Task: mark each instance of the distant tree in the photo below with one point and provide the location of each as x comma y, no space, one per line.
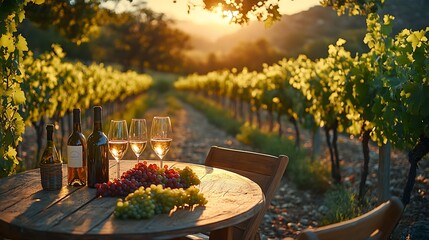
317,49
140,40
76,20
251,55
212,62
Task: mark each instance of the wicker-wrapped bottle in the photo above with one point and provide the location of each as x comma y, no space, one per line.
51,164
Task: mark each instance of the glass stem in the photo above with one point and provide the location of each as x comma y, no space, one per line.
161,162
117,168
137,159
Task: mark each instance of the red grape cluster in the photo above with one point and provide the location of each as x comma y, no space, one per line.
144,175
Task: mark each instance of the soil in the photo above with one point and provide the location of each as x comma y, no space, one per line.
293,210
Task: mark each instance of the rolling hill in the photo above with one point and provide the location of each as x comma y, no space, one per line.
310,31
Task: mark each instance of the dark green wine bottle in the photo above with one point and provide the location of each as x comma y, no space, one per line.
98,149
50,163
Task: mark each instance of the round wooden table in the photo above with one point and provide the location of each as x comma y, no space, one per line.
28,212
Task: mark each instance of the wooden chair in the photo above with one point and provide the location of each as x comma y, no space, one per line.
265,170
376,224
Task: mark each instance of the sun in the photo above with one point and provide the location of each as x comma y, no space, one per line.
227,16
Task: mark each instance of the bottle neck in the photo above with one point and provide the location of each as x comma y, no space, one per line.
50,155
98,127
97,119
77,127
49,134
50,143
76,120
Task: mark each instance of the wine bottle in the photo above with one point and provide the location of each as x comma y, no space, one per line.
76,153
98,149
50,163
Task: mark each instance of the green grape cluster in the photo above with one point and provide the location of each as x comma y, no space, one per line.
188,177
146,202
137,205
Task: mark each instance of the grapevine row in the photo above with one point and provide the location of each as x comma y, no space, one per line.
32,89
12,48
52,87
380,94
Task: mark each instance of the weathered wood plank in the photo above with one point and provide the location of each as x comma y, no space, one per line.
9,184
21,216
59,210
31,185
88,216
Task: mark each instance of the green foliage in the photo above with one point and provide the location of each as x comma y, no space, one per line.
55,87
268,11
303,172
75,20
12,48
51,88
400,67
411,62
241,11
382,91
269,143
162,83
306,174
215,114
341,205
354,7
142,40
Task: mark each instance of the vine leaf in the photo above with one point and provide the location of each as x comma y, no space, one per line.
18,96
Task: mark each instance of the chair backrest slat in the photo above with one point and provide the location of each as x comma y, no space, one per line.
265,170
375,224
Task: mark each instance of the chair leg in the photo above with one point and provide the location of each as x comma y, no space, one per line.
222,234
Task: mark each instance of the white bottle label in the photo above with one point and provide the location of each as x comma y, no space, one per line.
74,155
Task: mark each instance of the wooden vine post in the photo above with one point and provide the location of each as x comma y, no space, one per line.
383,184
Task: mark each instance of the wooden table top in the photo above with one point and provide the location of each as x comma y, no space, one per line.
28,212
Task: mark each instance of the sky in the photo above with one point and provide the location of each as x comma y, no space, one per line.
179,9
200,17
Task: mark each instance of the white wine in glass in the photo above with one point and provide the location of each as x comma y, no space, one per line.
161,136
138,136
118,141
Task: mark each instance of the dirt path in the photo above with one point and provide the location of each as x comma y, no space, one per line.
285,217
192,133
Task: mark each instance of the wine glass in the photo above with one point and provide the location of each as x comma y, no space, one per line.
161,136
138,136
118,140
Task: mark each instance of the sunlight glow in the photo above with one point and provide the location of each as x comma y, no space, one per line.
217,23
230,15
179,10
